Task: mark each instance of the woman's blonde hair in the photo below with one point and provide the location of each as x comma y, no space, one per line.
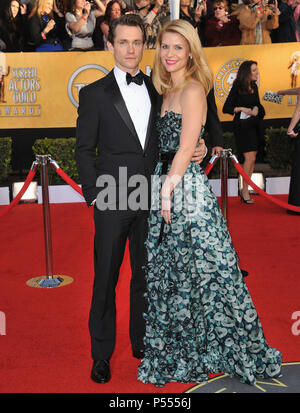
39,7
197,66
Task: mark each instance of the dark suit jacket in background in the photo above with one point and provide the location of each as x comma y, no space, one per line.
213,125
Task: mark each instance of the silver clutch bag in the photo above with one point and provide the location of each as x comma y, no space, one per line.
272,97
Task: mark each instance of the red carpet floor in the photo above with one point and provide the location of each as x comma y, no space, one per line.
46,347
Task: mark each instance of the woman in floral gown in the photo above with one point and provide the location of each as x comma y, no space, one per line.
200,316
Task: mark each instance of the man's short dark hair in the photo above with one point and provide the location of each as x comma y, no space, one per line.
126,20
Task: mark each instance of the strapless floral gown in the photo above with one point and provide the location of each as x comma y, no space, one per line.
200,317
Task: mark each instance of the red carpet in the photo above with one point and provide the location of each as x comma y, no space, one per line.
46,347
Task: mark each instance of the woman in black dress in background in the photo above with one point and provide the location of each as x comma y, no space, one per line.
243,102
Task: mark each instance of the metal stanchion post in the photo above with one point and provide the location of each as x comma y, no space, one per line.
50,280
224,168
224,181
46,216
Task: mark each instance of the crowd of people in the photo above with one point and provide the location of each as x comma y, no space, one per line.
56,25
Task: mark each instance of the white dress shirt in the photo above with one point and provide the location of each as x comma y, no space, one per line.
137,101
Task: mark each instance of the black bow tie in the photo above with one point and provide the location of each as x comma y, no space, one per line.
138,79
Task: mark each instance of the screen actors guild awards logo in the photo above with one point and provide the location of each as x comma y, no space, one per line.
19,87
81,77
225,77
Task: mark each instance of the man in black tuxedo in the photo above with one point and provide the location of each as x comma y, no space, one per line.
116,117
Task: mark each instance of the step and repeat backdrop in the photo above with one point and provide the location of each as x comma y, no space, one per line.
40,90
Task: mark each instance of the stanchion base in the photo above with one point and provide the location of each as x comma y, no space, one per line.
45,282
50,282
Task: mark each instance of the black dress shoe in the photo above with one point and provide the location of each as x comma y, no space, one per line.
100,371
138,354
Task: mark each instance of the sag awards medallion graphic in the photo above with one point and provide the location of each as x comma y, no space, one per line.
225,77
19,87
81,77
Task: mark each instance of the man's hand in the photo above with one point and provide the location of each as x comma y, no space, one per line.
200,152
216,149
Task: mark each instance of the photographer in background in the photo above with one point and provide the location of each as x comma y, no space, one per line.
257,19
155,15
113,11
286,32
81,23
195,16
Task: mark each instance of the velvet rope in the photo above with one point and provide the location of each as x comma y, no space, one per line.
68,180
208,168
26,184
271,198
211,164
73,184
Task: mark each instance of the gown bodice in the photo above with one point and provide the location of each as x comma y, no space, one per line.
169,130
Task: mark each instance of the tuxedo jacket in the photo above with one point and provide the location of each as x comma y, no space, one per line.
104,124
213,125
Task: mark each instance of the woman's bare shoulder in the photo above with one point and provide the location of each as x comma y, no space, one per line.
192,91
193,85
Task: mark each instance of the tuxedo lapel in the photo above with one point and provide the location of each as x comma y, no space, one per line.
152,94
113,90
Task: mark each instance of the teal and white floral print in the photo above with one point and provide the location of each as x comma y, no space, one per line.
200,318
